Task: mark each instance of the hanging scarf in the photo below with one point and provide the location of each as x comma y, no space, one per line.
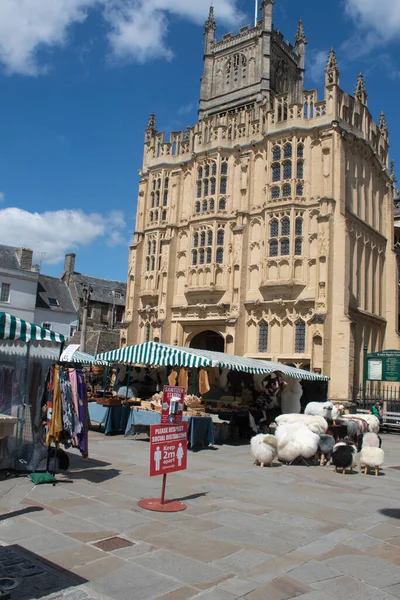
183,379
204,385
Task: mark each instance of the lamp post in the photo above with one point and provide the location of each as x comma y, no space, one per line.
87,294
114,295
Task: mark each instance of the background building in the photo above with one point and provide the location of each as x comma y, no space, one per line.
266,229
55,308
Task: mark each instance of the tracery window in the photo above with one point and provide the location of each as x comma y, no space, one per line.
151,253
222,204
283,233
284,169
208,246
300,337
211,182
263,337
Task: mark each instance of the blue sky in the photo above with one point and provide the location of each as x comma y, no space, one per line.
80,77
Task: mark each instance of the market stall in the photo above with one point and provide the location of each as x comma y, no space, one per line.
230,389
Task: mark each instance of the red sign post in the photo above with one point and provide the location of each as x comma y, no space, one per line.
168,453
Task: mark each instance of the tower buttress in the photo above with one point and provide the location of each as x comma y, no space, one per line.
300,43
209,34
361,91
266,8
209,31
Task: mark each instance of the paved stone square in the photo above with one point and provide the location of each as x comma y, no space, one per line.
251,533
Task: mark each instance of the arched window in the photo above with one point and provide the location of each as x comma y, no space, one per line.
285,226
213,186
152,200
273,248
154,246
157,198
209,255
275,192
298,247
274,228
223,185
220,256
222,204
287,169
151,216
276,153
158,184
203,238
299,189
214,169
300,337
220,237
156,215
165,201
199,188
205,187
200,173
147,263
149,247
286,190
153,263
224,167
196,240
299,226
300,150
198,207
194,257
212,204
205,206
263,337
276,172
154,184
166,183
147,332
201,252
207,171
300,170
287,150
209,238
164,215
285,247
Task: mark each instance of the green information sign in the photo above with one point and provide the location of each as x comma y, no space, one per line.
382,366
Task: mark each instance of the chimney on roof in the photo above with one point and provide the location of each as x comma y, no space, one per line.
69,263
25,256
36,268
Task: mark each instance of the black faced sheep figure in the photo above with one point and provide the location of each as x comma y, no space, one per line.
344,456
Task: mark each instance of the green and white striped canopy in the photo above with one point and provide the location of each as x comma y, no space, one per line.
155,355
13,328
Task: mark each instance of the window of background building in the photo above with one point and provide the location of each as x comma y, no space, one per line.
263,337
5,292
285,166
104,314
119,314
209,183
300,337
281,234
46,325
205,243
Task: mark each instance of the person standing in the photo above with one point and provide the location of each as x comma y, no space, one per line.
377,411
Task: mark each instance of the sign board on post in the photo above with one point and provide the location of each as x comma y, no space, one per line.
172,405
168,448
68,353
383,366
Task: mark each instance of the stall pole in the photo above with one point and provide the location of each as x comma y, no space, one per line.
105,380
194,373
21,410
164,483
127,385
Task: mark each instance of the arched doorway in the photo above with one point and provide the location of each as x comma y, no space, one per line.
208,340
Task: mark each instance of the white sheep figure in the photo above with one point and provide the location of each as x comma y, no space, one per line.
264,449
315,423
322,409
371,456
290,397
296,440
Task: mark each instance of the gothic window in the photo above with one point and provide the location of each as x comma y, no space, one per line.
224,167
276,172
205,187
274,228
300,150
164,215
212,204
273,248
298,247
147,263
205,205
214,169
154,184
213,186
154,246
198,207
210,238
287,150
207,171
285,226
220,256
287,190
299,226
165,200
287,169
275,192
263,337
157,198
299,189
166,183
220,237
209,255
152,200
194,257
203,238
276,153
151,216
153,262
222,189
285,247
222,204
156,215
300,170
147,331
300,337
200,173
202,256
199,188
158,184
149,247
196,240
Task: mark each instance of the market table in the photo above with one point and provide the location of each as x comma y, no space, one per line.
200,431
114,418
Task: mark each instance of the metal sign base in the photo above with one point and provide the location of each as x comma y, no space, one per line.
160,504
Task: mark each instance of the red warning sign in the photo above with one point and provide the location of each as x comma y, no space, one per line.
172,405
168,448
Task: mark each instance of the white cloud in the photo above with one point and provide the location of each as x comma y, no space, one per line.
60,231
376,23
316,64
137,30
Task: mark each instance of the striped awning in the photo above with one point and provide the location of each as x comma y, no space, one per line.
154,354
86,359
13,328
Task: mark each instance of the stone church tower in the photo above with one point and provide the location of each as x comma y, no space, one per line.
266,229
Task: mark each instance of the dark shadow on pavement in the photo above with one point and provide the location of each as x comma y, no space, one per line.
94,475
23,511
392,513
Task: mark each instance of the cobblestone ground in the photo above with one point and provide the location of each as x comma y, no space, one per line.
248,533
